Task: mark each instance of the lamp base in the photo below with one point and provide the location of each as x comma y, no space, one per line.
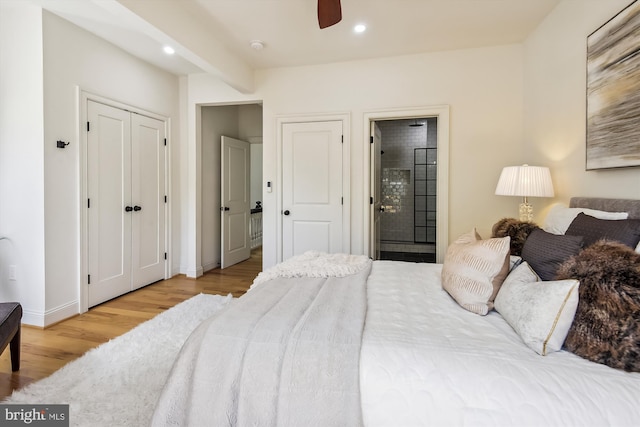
526,212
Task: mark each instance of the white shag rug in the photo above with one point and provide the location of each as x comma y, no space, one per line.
118,382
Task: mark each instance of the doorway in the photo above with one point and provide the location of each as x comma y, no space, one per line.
408,203
243,122
408,189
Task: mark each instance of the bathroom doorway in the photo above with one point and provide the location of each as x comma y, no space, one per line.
408,189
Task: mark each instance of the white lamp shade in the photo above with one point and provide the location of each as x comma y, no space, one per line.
525,181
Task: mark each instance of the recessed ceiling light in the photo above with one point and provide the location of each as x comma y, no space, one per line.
360,28
169,50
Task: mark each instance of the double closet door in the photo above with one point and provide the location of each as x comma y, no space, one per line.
126,201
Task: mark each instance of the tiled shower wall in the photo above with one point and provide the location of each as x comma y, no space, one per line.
399,140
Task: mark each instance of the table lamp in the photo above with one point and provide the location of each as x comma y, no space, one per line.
525,181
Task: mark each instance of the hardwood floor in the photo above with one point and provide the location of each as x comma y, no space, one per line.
46,350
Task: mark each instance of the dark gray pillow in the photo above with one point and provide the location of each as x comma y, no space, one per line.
545,252
626,231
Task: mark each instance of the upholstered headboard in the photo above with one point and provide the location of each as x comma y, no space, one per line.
609,205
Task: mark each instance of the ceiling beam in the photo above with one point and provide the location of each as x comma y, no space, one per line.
194,41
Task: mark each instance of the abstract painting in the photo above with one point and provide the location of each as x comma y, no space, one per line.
613,92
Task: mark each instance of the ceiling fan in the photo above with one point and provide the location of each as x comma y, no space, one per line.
329,13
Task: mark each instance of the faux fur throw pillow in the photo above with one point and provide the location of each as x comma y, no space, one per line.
606,327
516,229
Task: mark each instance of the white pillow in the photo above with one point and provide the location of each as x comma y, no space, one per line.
560,217
540,312
515,261
474,269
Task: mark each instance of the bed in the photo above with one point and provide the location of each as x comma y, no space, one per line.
338,340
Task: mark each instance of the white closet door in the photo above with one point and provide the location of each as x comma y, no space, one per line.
126,205
311,187
147,198
109,192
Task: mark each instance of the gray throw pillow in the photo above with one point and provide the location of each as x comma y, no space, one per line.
626,231
545,252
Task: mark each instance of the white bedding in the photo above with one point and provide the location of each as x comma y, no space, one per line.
425,361
285,354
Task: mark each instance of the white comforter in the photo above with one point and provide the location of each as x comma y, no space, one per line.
427,362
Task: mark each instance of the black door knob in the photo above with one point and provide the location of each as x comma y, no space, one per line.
286,212
128,209
137,208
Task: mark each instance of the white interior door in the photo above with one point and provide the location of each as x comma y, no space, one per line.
109,192
148,199
376,188
126,201
236,200
311,187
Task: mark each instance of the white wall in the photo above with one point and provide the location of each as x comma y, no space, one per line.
250,128
555,102
482,86
42,191
75,58
250,122
22,181
509,105
256,174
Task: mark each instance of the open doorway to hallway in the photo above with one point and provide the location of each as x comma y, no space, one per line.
242,122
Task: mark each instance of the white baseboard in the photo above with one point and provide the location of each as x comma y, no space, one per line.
49,317
62,312
192,273
211,265
32,318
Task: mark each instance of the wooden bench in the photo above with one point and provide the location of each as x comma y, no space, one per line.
10,321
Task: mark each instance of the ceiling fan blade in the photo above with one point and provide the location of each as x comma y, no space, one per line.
329,13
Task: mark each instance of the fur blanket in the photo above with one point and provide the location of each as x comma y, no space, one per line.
606,327
516,229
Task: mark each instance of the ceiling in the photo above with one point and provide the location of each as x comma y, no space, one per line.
214,35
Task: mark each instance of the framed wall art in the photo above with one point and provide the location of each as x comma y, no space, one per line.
613,92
